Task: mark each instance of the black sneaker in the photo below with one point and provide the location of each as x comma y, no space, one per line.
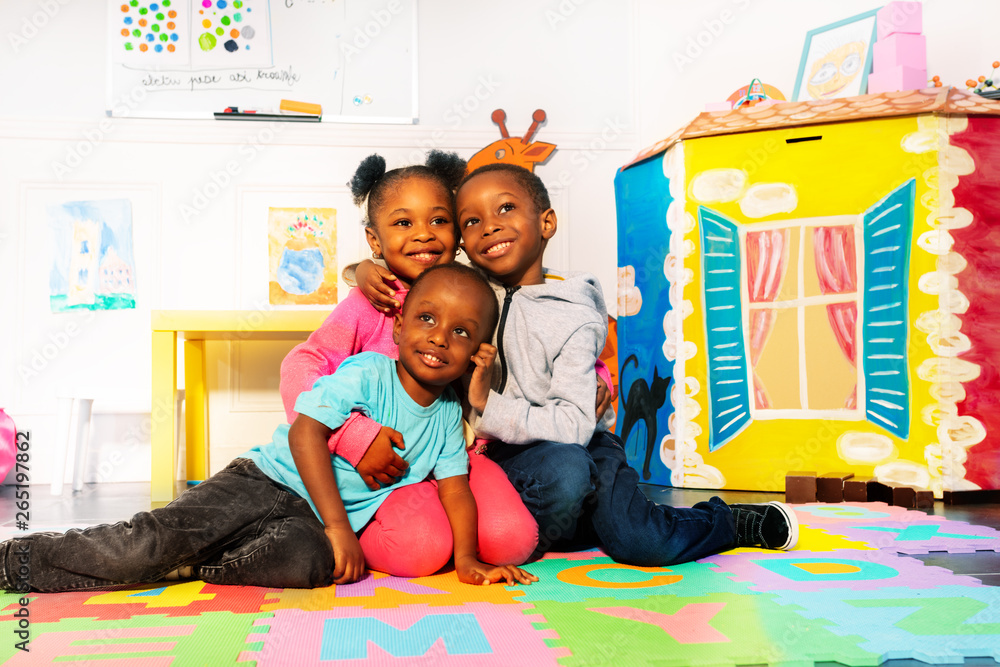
772,525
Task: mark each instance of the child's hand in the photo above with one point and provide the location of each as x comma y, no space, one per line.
482,374
473,572
373,281
604,397
348,559
381,464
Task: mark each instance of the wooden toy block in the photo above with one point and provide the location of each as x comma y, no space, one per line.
903,496
897,78
896,17
924,499
972,497
800,487
901,49
879,492
830,486
856,490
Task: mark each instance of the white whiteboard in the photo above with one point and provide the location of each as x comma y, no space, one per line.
191,58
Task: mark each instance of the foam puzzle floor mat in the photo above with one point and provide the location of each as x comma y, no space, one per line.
851,592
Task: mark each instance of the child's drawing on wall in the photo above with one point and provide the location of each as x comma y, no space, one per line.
93,265
302,253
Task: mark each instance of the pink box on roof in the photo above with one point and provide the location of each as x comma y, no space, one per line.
901,48
900,77
897,17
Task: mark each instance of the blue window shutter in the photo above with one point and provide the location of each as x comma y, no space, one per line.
888,228
728,386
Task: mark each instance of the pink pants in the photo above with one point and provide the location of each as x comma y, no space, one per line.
410,535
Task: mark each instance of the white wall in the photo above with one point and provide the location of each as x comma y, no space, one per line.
611,75
692,53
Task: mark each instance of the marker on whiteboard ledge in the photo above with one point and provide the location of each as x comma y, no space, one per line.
235,113
291,106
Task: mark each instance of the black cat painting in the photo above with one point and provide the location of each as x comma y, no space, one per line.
641,405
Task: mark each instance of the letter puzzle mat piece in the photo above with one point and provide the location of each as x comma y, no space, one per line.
849,593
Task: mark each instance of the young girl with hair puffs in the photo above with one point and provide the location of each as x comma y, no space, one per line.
410,224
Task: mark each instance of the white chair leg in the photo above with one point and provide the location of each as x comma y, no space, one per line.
64,418
83,418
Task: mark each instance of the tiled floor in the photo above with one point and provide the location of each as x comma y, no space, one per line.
99,503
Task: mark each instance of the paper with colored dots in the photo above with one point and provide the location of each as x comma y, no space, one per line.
194,58
152,31
196,33
228,30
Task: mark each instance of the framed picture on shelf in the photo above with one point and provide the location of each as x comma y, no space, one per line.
836,59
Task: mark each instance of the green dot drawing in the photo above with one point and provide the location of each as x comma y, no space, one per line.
237,17
207,41
225,20
163,37
143,10
128,46
238,3
220,32
134,3
137,33
166,3
160,16
155,27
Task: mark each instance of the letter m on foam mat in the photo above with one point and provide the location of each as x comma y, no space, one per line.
727,355
348,638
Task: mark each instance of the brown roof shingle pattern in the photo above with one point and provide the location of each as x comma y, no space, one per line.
944,100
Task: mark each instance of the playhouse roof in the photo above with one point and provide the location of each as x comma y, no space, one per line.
944,100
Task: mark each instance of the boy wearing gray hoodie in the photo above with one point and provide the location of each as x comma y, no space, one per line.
569,469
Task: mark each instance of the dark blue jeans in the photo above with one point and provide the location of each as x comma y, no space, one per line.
590,497
237,527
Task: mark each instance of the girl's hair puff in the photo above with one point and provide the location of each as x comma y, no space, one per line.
371,182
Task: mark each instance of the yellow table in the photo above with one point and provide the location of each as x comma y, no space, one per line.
197,326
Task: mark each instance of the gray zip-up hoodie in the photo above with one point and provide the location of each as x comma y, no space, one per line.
544,382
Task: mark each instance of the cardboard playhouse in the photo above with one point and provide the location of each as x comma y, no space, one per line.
815,286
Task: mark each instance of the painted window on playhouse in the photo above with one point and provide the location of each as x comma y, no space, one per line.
782,304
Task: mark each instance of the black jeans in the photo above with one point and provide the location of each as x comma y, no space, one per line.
590,497
238,527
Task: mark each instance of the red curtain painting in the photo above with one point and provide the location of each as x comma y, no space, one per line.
836,268
767,261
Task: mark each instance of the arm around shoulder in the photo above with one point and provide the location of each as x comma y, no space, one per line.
566,413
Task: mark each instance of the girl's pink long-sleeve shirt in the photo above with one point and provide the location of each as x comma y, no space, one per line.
353,326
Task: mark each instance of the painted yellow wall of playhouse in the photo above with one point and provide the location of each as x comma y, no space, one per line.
852,167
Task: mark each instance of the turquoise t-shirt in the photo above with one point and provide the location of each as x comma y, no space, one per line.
367,382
